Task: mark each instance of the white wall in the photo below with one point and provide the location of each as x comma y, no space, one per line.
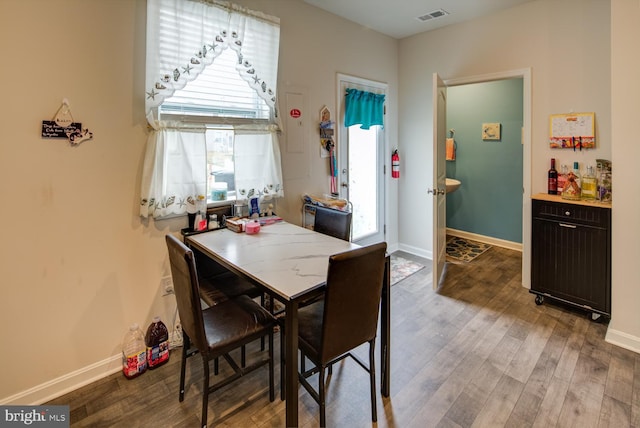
624,328
79,265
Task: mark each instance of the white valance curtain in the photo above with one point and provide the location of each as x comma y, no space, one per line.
183,37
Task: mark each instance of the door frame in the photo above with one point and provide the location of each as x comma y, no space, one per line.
525,75
378,87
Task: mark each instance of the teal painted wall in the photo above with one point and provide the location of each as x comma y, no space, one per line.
489,201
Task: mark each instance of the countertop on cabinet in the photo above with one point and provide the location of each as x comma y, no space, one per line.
558,198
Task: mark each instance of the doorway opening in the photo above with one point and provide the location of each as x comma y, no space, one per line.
525,75
361,166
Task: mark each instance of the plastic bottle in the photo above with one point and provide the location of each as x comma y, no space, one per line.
200,222
134,353
157,343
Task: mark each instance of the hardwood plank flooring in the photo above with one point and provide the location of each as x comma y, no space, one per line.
476,353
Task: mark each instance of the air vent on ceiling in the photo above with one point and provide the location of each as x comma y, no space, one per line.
433,15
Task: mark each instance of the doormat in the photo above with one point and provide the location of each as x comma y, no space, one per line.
465,250
402,268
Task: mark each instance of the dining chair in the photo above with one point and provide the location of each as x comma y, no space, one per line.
218,284
217,330
346,318
333,222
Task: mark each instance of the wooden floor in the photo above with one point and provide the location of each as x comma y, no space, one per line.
478,352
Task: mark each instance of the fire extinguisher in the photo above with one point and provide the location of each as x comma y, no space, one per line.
395,164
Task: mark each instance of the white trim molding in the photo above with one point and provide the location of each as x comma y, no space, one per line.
623,340
54,388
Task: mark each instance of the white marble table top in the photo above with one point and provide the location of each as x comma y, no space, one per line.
287,259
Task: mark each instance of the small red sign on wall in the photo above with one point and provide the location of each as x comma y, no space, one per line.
295,113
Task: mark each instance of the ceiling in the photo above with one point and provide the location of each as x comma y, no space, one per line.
399,18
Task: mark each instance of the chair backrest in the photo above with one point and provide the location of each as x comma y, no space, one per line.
352,299
186,289
332,222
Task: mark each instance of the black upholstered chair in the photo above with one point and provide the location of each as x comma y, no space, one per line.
332,222
217,284
346,318
217,330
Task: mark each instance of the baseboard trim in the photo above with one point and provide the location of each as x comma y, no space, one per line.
485,239
59,386
416,251
623,340
54,388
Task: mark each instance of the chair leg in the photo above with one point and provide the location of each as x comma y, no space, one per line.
272,393
372,375
282,363
243,355
321,394
263,303
205,393
183,364
216,366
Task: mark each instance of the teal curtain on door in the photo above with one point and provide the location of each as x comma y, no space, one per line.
363,108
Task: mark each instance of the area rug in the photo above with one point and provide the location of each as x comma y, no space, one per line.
402,268
465,250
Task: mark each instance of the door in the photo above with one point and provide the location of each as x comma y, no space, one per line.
439,174
439,163
361,166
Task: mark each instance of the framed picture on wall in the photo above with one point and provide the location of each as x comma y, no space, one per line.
491,131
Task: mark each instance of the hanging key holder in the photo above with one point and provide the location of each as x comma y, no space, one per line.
64,126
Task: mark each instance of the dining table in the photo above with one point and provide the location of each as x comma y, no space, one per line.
290,263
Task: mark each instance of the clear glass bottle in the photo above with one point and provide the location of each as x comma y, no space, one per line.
562,178
572,189
589,185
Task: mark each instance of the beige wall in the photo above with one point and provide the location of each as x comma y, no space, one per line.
624,328
79,265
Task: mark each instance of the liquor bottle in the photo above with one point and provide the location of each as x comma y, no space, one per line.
571,189
562,178
589,185
552,181
576,172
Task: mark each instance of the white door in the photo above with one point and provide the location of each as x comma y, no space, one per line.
439,174
361,166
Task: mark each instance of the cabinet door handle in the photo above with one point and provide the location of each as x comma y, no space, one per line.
570,226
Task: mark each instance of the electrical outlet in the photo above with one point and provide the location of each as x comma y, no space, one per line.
176,337
167,285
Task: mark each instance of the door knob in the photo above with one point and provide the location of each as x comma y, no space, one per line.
344,184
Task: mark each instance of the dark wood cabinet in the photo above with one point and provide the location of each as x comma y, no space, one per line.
571,253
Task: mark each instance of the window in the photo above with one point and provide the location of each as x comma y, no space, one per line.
221,183
210,99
